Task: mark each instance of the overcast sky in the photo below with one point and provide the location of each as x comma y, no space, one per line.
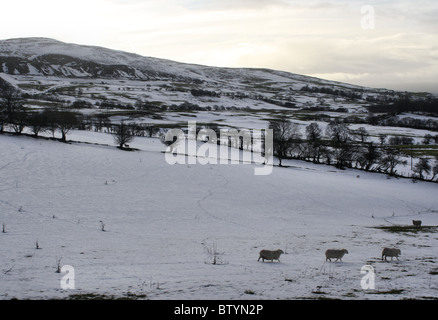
332,39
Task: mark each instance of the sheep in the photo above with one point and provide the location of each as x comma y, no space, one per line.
416,223
270,255
335,254
390,252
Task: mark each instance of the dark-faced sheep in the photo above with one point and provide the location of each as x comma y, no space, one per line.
335,254
416,223
390,252
270,255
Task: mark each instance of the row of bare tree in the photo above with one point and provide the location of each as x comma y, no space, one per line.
343,147
14,115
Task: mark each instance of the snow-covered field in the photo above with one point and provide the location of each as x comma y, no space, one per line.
164,222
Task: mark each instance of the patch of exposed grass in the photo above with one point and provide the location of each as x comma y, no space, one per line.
433,272
90,296
95,296
249,292
418,150
408,229
350,295
392,291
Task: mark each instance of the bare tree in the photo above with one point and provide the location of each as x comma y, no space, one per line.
390,160
37,122
362,133
344,154
368,156
151,130
10,102
19,120
50,121
422,167
313,132
338,132
314,148
285,135
123,134
66,121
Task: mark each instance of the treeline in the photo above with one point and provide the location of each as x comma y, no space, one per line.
205,93
406,122
345,148
407,104
387,113
325,108
349,94
15,116
240,96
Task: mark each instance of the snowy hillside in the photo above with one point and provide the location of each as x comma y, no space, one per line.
43,56
50,69
34,49
132,225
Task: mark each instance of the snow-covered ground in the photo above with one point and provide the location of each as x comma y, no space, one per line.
163,222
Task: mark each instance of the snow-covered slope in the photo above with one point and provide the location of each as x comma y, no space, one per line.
41,56
164,223
33,47
51,57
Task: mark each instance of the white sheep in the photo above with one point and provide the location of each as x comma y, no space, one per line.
270,255
390,252
335,254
